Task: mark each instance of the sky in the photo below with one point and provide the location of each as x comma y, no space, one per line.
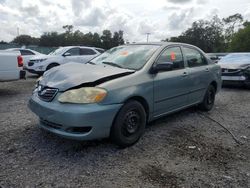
160,18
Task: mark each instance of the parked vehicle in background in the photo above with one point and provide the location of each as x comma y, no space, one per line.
236,68
27,54
118,92
101,50
215,57
78,54
11,66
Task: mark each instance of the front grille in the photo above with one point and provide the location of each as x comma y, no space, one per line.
231,72
46,94
30,63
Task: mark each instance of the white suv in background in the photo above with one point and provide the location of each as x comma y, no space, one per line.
79,54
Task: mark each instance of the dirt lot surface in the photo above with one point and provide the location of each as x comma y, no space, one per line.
185,149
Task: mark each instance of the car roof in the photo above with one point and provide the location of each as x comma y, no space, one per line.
67,47
162,44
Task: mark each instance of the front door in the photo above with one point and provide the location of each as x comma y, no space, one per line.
73,55
171,87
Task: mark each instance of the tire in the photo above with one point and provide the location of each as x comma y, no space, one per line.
208,101
50,66
129,124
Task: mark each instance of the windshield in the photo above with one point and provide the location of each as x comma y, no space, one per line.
58,51
236,59
128,57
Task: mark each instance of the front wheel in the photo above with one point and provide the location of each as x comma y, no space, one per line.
129,124
50,66
208,101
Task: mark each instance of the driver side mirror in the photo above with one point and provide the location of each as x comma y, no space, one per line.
165,66
67,54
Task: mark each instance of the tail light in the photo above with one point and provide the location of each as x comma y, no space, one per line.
20,61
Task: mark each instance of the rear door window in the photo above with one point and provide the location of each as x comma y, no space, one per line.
194,57
86,51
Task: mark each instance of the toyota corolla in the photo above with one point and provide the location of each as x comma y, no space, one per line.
118,92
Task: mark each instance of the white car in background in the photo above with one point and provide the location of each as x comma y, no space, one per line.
79,54
27,54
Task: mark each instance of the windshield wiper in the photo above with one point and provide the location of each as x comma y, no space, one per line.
112,64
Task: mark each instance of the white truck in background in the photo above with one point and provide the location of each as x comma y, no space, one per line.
11,66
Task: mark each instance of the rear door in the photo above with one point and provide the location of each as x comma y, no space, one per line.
171,87
87,54
199,73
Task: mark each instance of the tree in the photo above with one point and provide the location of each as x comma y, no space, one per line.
117,38
26,40
3,42
208,35
241,40
51,39
68,28
232,24
106,39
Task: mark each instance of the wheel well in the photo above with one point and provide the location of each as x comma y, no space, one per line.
213,83
142,101
54,63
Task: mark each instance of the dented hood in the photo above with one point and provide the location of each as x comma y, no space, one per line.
71,75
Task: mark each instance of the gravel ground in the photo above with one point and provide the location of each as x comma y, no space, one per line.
186,149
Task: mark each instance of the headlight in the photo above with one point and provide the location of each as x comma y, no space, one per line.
40,60
83,95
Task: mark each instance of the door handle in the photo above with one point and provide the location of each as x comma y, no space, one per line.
184,74
207,69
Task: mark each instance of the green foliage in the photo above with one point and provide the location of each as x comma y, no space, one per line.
205,34
232,24
216,35
26,40
70,38
241,40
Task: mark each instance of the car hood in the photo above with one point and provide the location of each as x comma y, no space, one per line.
234,66
71,75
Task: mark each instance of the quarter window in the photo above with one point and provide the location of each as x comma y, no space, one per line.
194,57
173,55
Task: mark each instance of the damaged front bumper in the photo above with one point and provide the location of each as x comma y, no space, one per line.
74,121
241,76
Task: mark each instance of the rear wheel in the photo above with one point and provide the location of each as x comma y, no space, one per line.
208,101
129,124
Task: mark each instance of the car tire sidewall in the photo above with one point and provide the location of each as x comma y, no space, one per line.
116,131
205,106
